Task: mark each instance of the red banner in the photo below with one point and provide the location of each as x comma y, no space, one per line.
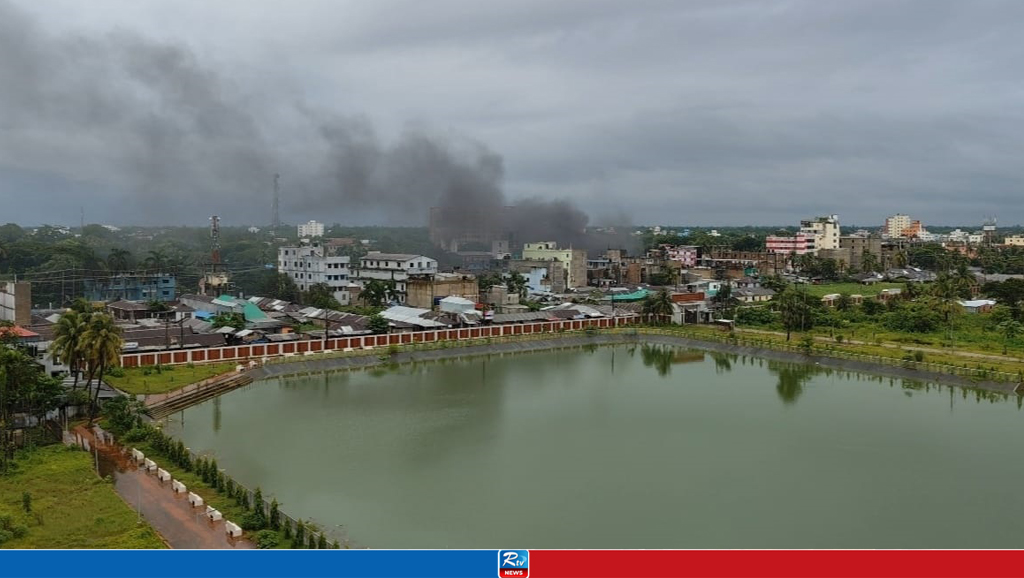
775,563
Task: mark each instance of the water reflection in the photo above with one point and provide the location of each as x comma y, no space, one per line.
216,414
662,358
792,377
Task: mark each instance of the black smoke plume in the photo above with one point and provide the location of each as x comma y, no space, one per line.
157,136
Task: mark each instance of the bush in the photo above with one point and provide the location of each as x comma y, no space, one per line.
839,337
287,530
321,544
807,343
115,371
312,542
300,535
754,316
266,539
5,536
275,518
918,356
26,502
221,484
230,488
253,521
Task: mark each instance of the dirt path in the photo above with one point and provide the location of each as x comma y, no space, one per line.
890,345
170,514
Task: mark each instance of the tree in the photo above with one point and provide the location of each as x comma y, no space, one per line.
1010,330
775,283
377,293
24,388
235,320
795,310
102,347
517,284
157,260
118,259
281,286
68,339
275,516
377,324
321,297
900,259
123,413
658,306
868,262
844,302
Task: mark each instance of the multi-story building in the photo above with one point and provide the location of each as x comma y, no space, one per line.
309,265
311,229
800,244
1014,241
895,225
425,291
825,231
684,254
397,267
574,260
132,287
16,302
859,245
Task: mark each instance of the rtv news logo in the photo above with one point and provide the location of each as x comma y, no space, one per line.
513,563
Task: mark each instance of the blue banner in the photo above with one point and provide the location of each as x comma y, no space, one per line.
250,563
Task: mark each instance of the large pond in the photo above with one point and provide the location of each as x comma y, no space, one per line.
629,447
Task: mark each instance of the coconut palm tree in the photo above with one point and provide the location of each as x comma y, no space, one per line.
157,259
658,306
68,338
102,349
118,259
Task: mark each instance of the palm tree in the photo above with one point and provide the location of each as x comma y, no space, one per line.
102,349
118,259
899,259
868,262
658,306
157,259
68,340
1010,330
794,310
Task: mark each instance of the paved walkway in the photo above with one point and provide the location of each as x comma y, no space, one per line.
170,514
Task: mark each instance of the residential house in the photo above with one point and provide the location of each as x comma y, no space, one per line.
131,286
574,260
427,290
396,267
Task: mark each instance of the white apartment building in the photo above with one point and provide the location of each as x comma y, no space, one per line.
308,265
311,229
895,225
395,267
825,231
1014,241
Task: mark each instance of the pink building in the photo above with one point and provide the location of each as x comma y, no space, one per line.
799,243
685,254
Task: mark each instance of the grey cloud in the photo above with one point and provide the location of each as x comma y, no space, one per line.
726,112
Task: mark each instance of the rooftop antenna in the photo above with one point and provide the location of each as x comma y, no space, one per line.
277,202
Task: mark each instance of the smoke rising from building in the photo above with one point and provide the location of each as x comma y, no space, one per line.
161,133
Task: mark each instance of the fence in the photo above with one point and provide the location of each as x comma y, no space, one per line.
246,353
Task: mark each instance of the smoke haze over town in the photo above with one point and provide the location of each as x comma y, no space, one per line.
737,112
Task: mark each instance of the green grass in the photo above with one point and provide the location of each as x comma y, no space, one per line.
71,506
170,377
851,288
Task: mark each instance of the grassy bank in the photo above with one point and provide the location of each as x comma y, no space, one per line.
71,507
851,288
147,380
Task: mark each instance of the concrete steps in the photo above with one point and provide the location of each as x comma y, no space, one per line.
167,407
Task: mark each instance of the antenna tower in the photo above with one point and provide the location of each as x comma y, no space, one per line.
276,222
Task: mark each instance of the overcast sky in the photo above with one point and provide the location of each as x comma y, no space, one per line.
675,112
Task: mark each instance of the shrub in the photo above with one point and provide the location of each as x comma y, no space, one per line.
5,536
300,535
115,371
230,488
266,539
335,545
919,356
26,502
312,542
19,531
220,482
807,343
321,544
258,506
252,521
839,337
275,518
287,530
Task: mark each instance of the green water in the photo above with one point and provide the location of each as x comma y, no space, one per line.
626,447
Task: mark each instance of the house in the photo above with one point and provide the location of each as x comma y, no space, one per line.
16,302
753,294
889,294
393,267
575,260
977,306
131,286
